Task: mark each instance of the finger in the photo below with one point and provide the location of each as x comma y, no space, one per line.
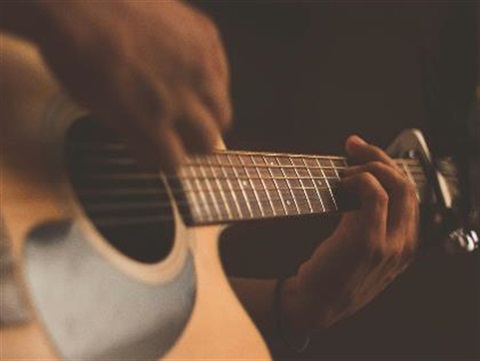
169,150
215,95
158,149
401,192
362,152
373,205
196,126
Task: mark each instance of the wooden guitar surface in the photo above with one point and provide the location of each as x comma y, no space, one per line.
34,113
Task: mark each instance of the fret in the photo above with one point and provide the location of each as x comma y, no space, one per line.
210,194
310,207
224,202
282,161
250,172
233,160
286,196
242,185
196,180
193,196
258,187
271,210
317,191
335,170
272,191
272,162
321,184
325,173
230,188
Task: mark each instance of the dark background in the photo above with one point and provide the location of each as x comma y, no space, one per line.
305,75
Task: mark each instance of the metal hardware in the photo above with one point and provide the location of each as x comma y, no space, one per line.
462,240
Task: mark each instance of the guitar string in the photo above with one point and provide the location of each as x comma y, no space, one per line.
275,156
255,160
160,203
122,147
151,189
303,199
204,183
243,202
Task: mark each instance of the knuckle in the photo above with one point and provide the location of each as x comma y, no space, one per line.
226,116
409,193
376,253
376,165
380,195
209,27
374,190
368,180
376,151
408,253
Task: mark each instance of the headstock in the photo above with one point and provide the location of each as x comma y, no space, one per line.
448,207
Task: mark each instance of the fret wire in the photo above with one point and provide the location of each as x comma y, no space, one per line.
273,154
242,189
209,186
195,197
272,189
279,198
304,189
212,190
134,175
132,162
121,147
316,188
266,189
237,203
335,170
222,194
147,190
260,206
277,189
272,178
161,204
154,191
253,215
168,204
328,185
201,164
288,188
209,213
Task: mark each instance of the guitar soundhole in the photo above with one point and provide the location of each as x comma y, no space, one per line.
129,206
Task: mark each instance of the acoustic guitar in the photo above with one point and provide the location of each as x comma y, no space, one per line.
101,260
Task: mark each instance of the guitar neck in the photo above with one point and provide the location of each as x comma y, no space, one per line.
232,186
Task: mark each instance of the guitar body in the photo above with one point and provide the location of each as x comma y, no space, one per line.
77,296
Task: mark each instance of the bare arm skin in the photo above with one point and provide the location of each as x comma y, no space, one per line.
367,251
155,71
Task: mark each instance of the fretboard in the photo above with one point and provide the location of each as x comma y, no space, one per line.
231,186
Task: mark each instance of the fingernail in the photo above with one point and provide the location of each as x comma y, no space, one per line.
355,139
352,142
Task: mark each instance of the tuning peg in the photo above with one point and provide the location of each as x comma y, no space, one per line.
463,240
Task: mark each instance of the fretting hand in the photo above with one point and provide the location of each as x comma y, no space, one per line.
367,251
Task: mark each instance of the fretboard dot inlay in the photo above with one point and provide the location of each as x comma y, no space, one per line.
234,185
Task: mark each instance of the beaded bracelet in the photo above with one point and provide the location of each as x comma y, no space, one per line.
279,326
